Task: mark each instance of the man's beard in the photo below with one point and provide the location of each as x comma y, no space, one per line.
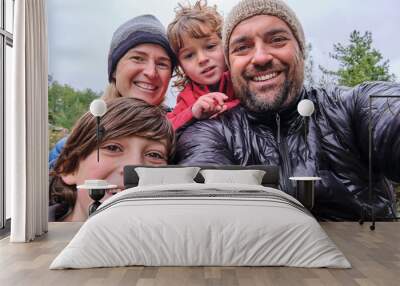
283,97
258,104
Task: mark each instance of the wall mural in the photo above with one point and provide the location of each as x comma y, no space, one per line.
235,93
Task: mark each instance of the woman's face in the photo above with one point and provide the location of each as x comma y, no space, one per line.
114,155
144,73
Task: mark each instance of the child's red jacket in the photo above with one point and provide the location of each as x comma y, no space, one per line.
182,112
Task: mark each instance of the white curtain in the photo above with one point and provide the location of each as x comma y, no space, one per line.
27,124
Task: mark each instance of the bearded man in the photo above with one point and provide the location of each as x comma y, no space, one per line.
265,50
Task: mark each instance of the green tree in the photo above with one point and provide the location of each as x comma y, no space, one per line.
65,106
359,61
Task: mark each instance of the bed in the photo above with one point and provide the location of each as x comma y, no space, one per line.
201,216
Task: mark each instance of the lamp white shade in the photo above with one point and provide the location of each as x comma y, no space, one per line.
305,107
96,184
98,107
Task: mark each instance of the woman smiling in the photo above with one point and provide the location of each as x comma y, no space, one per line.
140,61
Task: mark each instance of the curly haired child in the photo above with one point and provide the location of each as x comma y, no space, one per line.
206,89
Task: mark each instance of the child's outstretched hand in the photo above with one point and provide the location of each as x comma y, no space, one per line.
209,105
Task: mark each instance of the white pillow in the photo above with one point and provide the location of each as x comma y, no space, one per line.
166,176
248,177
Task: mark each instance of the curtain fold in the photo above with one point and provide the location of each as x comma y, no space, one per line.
27,124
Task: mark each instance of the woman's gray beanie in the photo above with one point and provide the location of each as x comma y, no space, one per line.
144,29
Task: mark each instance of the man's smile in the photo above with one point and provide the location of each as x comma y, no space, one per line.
265,77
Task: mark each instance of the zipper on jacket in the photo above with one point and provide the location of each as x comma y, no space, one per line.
278,126
283,153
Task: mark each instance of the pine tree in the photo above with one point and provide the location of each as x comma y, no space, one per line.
359,61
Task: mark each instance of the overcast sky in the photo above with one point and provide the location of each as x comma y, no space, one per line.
80,31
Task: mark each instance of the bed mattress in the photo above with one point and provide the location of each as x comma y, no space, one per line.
201,225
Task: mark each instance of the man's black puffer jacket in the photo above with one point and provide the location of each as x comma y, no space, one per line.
337,146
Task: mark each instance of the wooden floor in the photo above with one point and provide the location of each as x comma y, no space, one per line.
374,255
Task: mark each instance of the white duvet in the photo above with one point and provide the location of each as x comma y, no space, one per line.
201,224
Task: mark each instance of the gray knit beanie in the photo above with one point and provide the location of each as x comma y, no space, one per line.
248,8
144,29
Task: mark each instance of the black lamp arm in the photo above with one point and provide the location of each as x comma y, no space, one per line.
100,132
